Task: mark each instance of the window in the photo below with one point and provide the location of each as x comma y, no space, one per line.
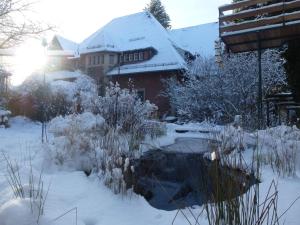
94,60
98,59
141,94
90,60
103,59
130,57
146,55
125,57
141,56
111,59
136,57
121,58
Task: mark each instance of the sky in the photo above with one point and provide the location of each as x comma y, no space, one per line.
77,19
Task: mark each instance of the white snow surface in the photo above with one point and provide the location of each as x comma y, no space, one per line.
197,39
96,204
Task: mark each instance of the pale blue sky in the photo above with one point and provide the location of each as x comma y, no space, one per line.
76,19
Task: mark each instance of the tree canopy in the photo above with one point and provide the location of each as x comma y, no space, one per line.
156,8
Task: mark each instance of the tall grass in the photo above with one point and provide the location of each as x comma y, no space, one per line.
33,190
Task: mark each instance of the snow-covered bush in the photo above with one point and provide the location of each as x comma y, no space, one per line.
85,142
123,110
221,92
74,138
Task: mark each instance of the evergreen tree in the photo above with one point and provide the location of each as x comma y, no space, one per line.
156,8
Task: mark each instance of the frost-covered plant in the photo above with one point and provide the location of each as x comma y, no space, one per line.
209,91
281,149
85,142
123,110
74,137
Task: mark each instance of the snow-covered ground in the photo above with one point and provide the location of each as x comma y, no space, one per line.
95,203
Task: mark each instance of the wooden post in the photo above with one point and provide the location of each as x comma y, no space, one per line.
260,95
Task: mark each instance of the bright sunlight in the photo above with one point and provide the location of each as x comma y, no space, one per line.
29,58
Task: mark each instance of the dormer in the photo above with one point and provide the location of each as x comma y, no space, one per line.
136,56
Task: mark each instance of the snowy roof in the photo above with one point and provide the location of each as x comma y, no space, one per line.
68,48
66,44
132,32
197,39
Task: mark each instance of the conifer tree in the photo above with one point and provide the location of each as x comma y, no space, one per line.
156,8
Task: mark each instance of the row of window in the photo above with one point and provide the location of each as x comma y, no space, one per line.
100,59
134,57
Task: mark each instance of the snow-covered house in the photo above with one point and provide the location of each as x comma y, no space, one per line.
135,50
61,52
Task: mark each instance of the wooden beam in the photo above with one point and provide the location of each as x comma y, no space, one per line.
261,22
278,7
242,4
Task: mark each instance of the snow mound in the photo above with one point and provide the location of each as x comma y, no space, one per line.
18,212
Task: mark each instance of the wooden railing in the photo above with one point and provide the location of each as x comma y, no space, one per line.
253,15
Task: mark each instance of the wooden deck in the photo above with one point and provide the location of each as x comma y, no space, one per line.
252,24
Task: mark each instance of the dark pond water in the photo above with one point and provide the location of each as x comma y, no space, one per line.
172,180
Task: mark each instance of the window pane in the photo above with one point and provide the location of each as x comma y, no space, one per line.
130,57
111,59
136,56
141,56
125,57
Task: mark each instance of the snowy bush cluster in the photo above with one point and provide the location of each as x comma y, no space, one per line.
74,136
88,143
221,92
122,109
104,135
44,101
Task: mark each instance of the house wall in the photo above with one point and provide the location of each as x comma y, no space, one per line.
152,85
96,65
56,63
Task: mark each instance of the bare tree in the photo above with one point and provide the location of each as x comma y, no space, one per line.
15,23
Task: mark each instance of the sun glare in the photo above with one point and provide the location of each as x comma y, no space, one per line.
29,58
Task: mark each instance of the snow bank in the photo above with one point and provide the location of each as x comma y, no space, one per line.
20,212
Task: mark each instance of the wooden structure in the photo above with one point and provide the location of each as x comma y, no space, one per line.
254,25
283,107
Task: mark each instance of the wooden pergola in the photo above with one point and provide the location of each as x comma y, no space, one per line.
254,25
